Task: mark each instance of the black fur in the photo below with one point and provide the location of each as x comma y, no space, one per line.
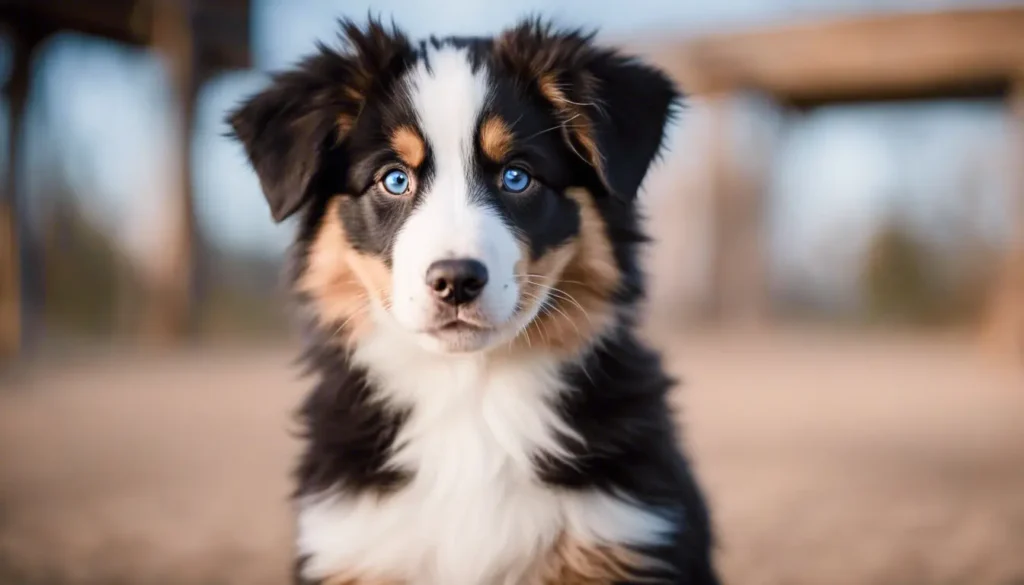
287,129
619,407
348,435
627,102
619,397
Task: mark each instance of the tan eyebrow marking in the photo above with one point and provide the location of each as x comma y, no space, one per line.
409,146
495,138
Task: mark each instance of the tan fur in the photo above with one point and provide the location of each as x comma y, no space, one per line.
355,93
340,281
351,580
547,83
582,275
347,121
409,146
495,138
576,122
571,562
345,124
557,65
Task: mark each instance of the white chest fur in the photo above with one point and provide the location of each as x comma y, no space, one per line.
474,512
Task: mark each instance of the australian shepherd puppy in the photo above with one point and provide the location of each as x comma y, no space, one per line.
467,255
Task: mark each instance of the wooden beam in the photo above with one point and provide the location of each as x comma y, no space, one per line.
121,20
886,57
220,28
221,31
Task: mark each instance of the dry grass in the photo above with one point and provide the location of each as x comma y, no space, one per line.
828,459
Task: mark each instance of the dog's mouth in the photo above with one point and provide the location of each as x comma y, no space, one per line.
473,326
459,326
459,335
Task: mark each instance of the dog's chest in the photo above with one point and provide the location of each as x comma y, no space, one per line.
474,512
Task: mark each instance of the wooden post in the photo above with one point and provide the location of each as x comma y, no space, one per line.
1005,326
750,265
171,291
719,170
13,245
738,290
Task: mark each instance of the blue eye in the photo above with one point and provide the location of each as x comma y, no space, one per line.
396,182
515,180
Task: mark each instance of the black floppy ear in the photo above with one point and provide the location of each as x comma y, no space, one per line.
283,132
287,128
612,108
635,104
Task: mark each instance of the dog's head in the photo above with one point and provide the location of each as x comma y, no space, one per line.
469,193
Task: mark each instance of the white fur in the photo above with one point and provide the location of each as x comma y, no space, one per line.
448,98
475,513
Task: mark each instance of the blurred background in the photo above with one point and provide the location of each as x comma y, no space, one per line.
838,276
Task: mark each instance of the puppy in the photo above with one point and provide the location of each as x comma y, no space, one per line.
467,260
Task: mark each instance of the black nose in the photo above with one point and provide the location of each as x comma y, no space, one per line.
457,282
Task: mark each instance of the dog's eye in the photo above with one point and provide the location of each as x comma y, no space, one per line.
515,180
396,182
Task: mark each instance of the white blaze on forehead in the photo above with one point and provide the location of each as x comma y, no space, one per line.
448,97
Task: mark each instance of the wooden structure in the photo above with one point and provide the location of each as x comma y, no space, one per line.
962,53
196,38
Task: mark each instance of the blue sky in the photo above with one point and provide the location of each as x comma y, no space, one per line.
100,108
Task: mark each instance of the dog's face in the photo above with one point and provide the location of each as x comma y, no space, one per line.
468,193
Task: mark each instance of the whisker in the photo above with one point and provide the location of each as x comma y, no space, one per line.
573,148
512,126
562,87
544,284
581,104
567,318
529,342
364,309
541,276
547,307
536,134
562,124
562,294
568,297
543,331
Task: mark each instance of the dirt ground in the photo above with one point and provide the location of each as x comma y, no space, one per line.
828,459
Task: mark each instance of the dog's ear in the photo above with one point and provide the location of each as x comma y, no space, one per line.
613,109
288,127
636,103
